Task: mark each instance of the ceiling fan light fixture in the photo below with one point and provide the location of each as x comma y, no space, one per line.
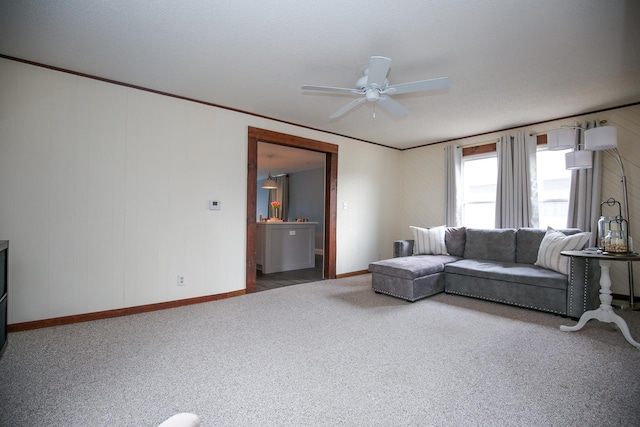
372,95
374,87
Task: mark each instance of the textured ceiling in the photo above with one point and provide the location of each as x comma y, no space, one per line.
279,159
510,62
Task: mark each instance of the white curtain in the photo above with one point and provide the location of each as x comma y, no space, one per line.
517,191
280,194
584,198
453,206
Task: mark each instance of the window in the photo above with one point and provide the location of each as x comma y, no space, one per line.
554,183
479,176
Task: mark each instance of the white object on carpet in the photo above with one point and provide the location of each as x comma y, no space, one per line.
183,419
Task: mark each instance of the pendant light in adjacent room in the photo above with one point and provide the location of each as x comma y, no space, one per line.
269,183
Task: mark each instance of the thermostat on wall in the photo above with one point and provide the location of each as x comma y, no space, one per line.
214,205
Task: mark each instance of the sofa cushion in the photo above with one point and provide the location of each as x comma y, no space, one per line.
491,244
429,241
509,272
455,239
528,242
411,267
555,242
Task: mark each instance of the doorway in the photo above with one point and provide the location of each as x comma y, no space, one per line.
256,135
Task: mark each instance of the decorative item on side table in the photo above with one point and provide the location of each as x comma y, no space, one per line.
613,232
603,222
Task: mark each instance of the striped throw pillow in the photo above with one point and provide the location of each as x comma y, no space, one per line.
429,241
555,242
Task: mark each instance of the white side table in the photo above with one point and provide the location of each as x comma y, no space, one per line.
604,313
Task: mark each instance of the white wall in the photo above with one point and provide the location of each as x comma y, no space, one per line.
104,190
369,204
306,200
424,179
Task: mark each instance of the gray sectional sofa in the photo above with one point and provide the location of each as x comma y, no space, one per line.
491,264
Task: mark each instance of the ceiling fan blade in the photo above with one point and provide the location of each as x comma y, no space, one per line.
419,86
331,89
378,69
392,106
347,107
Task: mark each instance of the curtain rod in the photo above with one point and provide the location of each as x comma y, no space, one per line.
600,123
480,144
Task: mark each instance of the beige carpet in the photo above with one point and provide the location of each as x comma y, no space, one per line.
325,353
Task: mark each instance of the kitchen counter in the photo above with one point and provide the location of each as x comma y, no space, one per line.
285,246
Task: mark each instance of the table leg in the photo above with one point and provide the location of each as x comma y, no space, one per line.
604,313
632,299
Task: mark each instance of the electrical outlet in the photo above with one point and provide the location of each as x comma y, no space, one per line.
182,280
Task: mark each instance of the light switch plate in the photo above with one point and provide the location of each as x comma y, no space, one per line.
214,205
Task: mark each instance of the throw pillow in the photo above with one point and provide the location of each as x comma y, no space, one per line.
555,242
455,239
429,241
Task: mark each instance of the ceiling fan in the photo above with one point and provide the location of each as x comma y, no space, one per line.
374,87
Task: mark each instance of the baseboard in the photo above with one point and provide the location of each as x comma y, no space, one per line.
351,274
67,320
77,318
625,298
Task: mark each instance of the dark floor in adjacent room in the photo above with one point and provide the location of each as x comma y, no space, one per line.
264,282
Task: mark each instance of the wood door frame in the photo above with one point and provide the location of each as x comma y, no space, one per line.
330,196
